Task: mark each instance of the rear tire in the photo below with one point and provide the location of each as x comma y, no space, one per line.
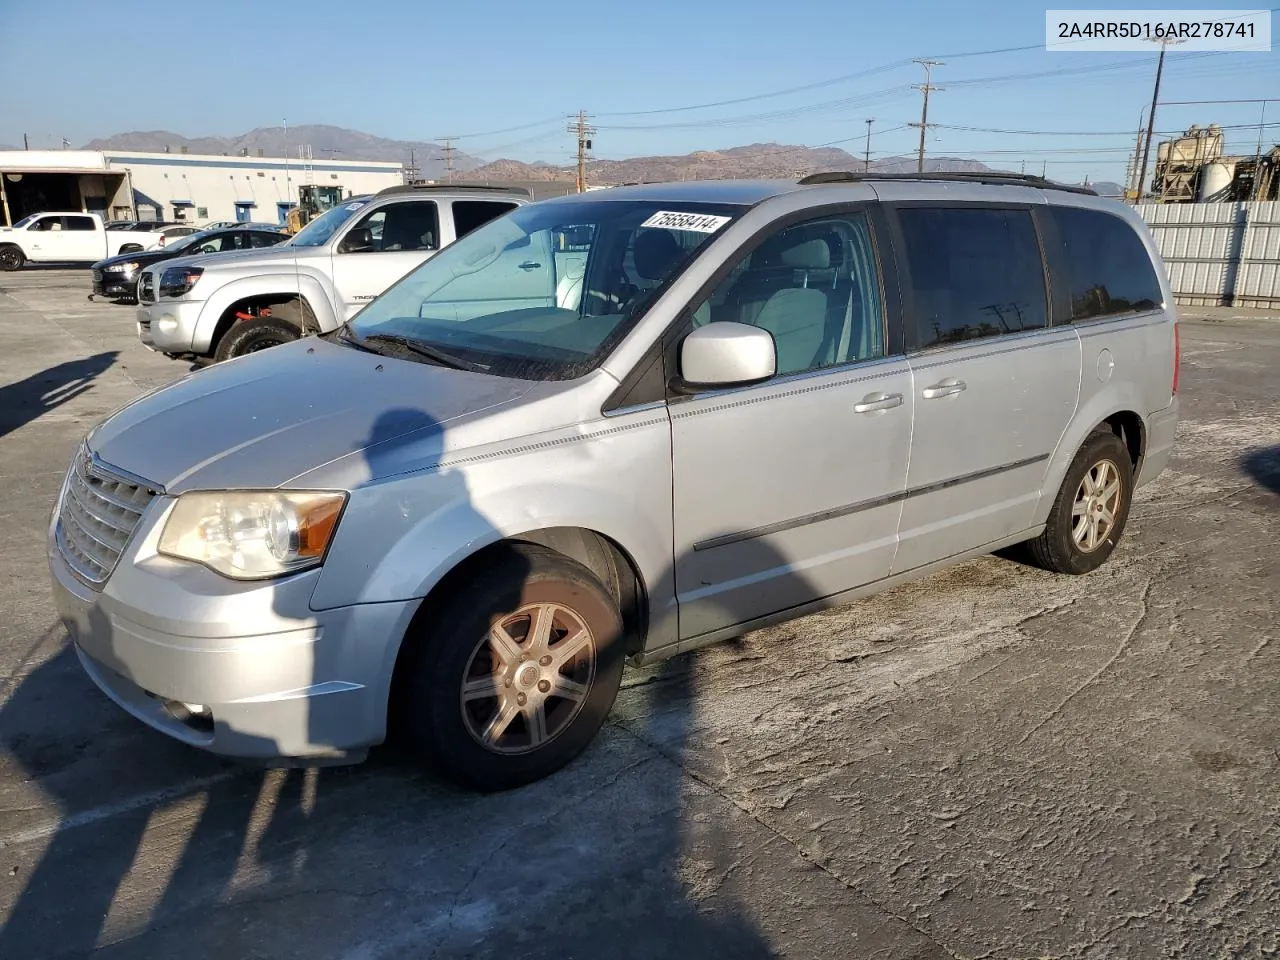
12,257
496,715
1090,511
250,336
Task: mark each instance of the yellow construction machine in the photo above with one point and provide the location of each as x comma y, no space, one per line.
312,201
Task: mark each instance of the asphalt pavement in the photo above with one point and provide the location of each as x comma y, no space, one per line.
993,762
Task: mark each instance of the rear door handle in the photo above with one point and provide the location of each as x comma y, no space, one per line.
530,265
878,402
944,388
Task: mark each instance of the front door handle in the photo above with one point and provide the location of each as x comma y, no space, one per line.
944,388
878,402
530,265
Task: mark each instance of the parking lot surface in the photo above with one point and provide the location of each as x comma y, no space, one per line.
993,762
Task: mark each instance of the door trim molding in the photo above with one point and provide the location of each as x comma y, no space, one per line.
861,505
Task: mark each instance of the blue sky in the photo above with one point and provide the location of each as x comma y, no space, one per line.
426,69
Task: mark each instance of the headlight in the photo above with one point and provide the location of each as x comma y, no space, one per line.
250,535
129,267
178,281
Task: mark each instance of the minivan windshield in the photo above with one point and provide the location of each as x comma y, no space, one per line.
318,231
543,292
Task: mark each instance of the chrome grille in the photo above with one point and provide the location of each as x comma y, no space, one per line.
146,288
99,513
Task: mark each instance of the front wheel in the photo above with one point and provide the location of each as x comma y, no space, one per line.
1090,511
513,675
12,258
250,336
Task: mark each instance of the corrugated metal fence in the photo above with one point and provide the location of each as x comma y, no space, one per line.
1219,254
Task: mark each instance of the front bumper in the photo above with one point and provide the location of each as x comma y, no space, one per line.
169,326
115,284
277,679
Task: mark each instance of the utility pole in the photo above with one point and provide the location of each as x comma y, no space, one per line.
1131,184
25,144
449,149
584,132
924,88
411,172
1151,119
866,164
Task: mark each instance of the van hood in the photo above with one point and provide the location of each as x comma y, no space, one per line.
269,417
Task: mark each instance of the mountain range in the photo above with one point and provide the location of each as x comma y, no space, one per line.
766,160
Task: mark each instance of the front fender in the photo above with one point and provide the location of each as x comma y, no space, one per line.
1116,398
306,285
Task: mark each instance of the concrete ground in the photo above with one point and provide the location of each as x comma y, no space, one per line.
994,762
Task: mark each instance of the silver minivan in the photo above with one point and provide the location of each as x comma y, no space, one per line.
729,403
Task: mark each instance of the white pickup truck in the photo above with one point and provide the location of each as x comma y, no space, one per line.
67,238
229,304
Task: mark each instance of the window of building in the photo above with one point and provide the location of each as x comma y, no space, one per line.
975,272
1108,269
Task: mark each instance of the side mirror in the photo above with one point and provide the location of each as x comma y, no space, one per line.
726,355
359,240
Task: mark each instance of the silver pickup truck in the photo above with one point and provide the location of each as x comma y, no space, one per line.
225,306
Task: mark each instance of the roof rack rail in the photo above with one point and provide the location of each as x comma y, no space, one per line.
957,176
445,187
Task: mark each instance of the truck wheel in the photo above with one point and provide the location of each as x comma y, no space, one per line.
1090,511
129,248
514,674
250,336
11,257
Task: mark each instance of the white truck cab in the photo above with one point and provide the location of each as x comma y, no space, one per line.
72,237
223,306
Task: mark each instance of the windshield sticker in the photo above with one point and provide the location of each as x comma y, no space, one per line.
355,206
697,222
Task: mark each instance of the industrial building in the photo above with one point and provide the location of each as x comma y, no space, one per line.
130,185
1194,168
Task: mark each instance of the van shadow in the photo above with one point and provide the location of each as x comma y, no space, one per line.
1264,467
163,851
31,398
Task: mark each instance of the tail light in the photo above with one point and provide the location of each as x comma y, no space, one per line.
1177,356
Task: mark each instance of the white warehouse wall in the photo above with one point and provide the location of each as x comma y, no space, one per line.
217,183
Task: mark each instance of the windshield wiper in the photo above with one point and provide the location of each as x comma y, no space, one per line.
424,350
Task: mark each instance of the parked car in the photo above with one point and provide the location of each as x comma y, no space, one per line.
67,238
166,235
224,308
246,225
118,276
458,512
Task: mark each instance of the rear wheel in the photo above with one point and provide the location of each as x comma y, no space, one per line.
513,676
1091,509
12,257
250,336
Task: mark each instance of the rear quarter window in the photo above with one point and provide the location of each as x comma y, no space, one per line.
1108,270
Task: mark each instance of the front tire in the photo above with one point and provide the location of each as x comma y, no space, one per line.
515,673
250,336
1090,511
12,258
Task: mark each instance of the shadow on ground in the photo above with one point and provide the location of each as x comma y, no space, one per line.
30,399
382,860
1264,467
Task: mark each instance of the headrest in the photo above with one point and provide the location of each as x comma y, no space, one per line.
810,255
655,252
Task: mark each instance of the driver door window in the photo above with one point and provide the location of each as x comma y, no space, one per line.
814,287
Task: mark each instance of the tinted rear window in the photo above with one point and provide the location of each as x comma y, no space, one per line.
470,214
975,272
1108,270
